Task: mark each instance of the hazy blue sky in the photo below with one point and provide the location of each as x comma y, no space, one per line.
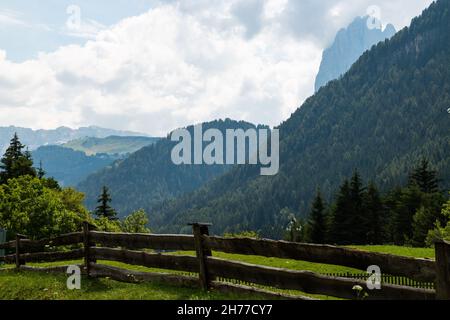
152,66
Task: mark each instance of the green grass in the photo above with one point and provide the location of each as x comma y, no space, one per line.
26,285
427,253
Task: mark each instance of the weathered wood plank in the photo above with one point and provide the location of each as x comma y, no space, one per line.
8,245
53,256
443,270
144,241
19,261
417,269
57,269
63,240
118,274
9,259
87,247
310,282
151,260
200,231
46,256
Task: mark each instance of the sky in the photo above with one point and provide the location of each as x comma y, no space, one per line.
153,66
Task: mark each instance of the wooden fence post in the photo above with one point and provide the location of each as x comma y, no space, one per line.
18,261
17,251
87,245
199,230
442,270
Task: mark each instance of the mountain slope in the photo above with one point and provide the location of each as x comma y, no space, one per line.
348,46
381,117
110,145
68,166
149,176
36,138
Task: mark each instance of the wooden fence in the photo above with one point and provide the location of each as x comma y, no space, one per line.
121,247
386,279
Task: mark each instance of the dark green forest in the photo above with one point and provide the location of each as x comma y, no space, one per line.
382,117
68,166
360,214
149,176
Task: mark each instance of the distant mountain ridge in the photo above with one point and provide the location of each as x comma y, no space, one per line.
36,138
350,43
110,145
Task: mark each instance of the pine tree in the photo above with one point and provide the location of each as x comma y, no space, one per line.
425,178
373,207
104,209
317,223
358,218
340,231
16,163
403,205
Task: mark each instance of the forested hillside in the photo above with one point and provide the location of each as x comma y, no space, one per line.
68,166
149,176
382,117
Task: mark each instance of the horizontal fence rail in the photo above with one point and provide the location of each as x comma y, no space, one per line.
402,277
417,269
144,241
309,282
46,256
62,240
151,260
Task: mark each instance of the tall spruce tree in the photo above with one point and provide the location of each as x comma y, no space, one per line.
104,209
317,222
340,224
425,178
16,163
374,209
358,217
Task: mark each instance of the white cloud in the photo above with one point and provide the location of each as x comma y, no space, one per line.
178,64
11,18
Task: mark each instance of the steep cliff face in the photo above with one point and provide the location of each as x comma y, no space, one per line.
348,46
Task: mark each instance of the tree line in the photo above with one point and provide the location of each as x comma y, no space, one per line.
359,214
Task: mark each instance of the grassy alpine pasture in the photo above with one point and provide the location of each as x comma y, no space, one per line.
32,285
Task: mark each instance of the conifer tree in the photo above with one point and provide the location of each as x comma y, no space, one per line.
16,163
317,222
358,217
425,178
340,229
373,208
104,209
